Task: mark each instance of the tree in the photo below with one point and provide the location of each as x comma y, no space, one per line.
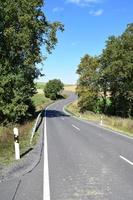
87,89
53,89
106,83
23,30
117,70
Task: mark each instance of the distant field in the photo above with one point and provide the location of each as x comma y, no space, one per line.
67,87
71,88
40,91
40,85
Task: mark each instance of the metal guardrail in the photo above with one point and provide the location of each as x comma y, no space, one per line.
35,127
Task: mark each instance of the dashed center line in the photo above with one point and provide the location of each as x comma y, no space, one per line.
75,127
128,161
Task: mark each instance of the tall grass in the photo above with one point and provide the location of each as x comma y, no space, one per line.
124,125
6,133
7,141
40,101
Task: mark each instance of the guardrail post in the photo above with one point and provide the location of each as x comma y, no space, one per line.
16,143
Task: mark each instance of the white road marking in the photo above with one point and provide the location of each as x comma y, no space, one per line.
128,161
76,127
46,187
95,125
62,118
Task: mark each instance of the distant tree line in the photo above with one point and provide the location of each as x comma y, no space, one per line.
105,82
23,30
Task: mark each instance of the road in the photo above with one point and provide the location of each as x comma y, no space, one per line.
27,187
86,161
81,161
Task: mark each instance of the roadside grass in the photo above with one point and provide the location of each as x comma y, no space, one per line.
7,154
40,101
123,125
40,85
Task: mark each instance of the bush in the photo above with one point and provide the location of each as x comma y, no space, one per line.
53,89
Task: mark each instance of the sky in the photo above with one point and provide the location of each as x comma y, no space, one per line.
88,24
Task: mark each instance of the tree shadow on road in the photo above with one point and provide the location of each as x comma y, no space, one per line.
55,113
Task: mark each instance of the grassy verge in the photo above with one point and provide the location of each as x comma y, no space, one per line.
40,101
40,85
6,134
122,125
7,141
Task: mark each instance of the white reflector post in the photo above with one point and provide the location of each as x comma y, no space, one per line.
101,120
16,143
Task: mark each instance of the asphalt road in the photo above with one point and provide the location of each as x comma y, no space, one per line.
25,181
81,161
28,187
86,161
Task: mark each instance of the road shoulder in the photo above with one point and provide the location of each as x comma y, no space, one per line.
26,164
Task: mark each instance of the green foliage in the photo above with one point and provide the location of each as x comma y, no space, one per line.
123,125
23,30
117,70
40,101
86,88
53,89
40,85
106,83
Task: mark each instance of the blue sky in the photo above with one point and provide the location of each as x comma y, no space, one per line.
88,24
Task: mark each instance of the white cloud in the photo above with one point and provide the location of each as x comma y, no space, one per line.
96,13
58,9
84,2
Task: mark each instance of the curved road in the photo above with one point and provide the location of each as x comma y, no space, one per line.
86,161
82,161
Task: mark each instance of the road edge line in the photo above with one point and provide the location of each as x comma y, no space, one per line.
46,186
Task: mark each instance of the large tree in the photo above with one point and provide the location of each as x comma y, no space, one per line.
106,82
23,30
87,89
116,72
